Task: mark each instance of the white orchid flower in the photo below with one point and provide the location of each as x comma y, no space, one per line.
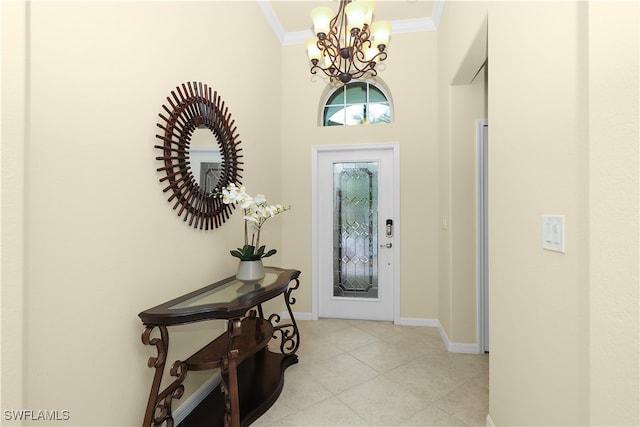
256,213
229,194
271,211
252,218
246,201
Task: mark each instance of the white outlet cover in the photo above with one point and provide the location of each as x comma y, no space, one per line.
553,233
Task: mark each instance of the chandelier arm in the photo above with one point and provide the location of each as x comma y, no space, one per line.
329,48
344,52
332,64
363,37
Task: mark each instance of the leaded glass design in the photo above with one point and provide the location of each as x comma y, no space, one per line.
355,230
357,103
210,173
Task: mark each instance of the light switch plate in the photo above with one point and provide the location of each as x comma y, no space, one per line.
553,233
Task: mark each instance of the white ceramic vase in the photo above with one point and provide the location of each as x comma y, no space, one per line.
250,271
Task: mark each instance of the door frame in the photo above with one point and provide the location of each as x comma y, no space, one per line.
315,215
483,235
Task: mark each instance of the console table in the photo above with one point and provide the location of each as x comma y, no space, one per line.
252,374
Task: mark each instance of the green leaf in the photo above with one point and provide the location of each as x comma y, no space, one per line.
236,254
249,253
271,252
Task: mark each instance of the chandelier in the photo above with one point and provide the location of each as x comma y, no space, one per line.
347,46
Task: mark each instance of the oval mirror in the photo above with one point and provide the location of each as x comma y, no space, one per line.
194,166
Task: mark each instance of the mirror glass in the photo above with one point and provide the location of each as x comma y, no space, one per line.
206,161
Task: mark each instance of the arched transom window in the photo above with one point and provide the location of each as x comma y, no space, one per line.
356,103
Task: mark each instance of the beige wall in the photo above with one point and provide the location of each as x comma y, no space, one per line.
414,128
88,238
14,132
100,240
462,101
538,165
467,106
563,139
614,213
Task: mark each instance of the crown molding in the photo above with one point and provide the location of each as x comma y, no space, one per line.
272,19
436,12
416,25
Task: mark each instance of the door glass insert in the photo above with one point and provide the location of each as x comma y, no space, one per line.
355,230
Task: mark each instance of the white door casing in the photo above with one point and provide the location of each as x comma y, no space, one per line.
483,235
387,305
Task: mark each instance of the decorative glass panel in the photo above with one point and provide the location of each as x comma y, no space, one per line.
355,230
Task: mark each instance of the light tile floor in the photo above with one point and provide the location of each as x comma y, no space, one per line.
360,373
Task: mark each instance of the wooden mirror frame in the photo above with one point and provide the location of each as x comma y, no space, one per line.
191,106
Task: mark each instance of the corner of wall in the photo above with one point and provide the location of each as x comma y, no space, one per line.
14,18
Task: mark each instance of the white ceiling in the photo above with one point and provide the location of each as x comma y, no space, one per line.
292,24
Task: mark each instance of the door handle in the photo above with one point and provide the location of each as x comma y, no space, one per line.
387,245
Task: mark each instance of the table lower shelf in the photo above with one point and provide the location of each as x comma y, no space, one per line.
260,381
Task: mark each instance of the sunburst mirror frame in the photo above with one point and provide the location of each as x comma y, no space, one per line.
191,106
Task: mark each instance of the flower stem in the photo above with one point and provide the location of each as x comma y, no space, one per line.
246,231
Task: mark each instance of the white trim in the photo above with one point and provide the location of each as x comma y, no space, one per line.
443,335
396,231
272,19
483,265
436,12
416,321
466,348
455,347
289,38
315,234
450,346
463,348
395,148
195,399
490,422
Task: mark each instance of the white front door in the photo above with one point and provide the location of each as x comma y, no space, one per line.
356,240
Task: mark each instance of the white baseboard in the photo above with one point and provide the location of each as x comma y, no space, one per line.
490,422
464,348
454,347
415,321
194,400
